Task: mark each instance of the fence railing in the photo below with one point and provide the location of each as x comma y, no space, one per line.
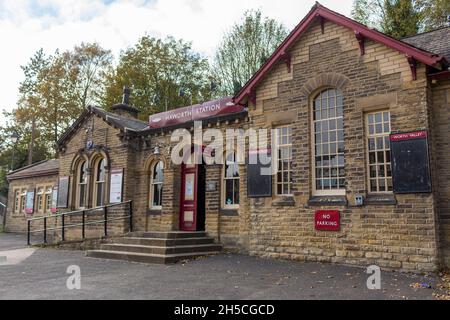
65,225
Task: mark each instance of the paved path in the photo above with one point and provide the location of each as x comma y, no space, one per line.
228,276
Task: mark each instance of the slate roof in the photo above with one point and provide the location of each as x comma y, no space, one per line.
120,121
318,11
436,41
43,168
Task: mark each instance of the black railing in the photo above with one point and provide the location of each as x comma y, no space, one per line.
84,214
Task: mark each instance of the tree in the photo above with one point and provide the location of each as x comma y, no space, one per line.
57,87
434,13
245,48
400,18
91,63
164,74
20,149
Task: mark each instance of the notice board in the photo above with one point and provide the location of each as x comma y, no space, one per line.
116,187
259,185
410,162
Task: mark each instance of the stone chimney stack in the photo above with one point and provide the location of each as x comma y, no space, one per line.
125,109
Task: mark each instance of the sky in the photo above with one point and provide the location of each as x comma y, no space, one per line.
28,25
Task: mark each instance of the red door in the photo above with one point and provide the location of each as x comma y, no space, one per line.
189,196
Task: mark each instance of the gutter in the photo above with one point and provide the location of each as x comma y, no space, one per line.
32,175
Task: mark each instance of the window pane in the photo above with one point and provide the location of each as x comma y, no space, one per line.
158,172
285,157
378,146
99,201
101,170
157,195
229,192
81,195
329,132
236,191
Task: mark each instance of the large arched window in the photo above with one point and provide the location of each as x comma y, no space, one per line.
230,187
81,185
100,182
328,143
156,185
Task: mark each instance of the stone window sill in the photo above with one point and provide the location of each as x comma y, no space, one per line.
154,212
229,212
327,201
381,199
284,202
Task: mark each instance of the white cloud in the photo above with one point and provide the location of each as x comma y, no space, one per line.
27,25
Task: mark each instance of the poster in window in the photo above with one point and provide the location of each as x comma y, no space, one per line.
116,187
54,207
63,192
29,207
189,187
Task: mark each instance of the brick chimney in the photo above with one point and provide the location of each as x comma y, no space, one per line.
124,109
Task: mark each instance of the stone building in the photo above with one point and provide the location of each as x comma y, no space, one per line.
38,180
347,104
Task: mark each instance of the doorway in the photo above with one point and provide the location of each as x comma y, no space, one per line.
192,207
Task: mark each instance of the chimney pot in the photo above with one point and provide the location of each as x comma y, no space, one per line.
126,95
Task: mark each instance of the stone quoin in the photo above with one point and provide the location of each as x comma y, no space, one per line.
335,92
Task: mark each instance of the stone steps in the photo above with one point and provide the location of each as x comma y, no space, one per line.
161,250
145,258
157,247
168,235
160,242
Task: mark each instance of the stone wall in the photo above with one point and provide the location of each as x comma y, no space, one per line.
17,221
391,236
441,118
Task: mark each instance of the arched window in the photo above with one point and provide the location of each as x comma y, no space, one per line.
156,186
328,146
230,187
100,182
81,185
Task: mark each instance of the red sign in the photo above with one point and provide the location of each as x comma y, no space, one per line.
196,112
409,136
328,220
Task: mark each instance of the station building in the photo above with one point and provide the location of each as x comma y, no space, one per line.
363,123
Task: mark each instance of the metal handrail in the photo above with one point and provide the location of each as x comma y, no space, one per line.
83,224
79,211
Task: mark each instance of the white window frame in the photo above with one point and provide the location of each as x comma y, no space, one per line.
385,138
17,200
98,182
327,192
285,146
224,179
78,185
40,206
48,199
153,184
23,200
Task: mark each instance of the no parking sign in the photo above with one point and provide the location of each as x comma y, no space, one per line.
328,220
